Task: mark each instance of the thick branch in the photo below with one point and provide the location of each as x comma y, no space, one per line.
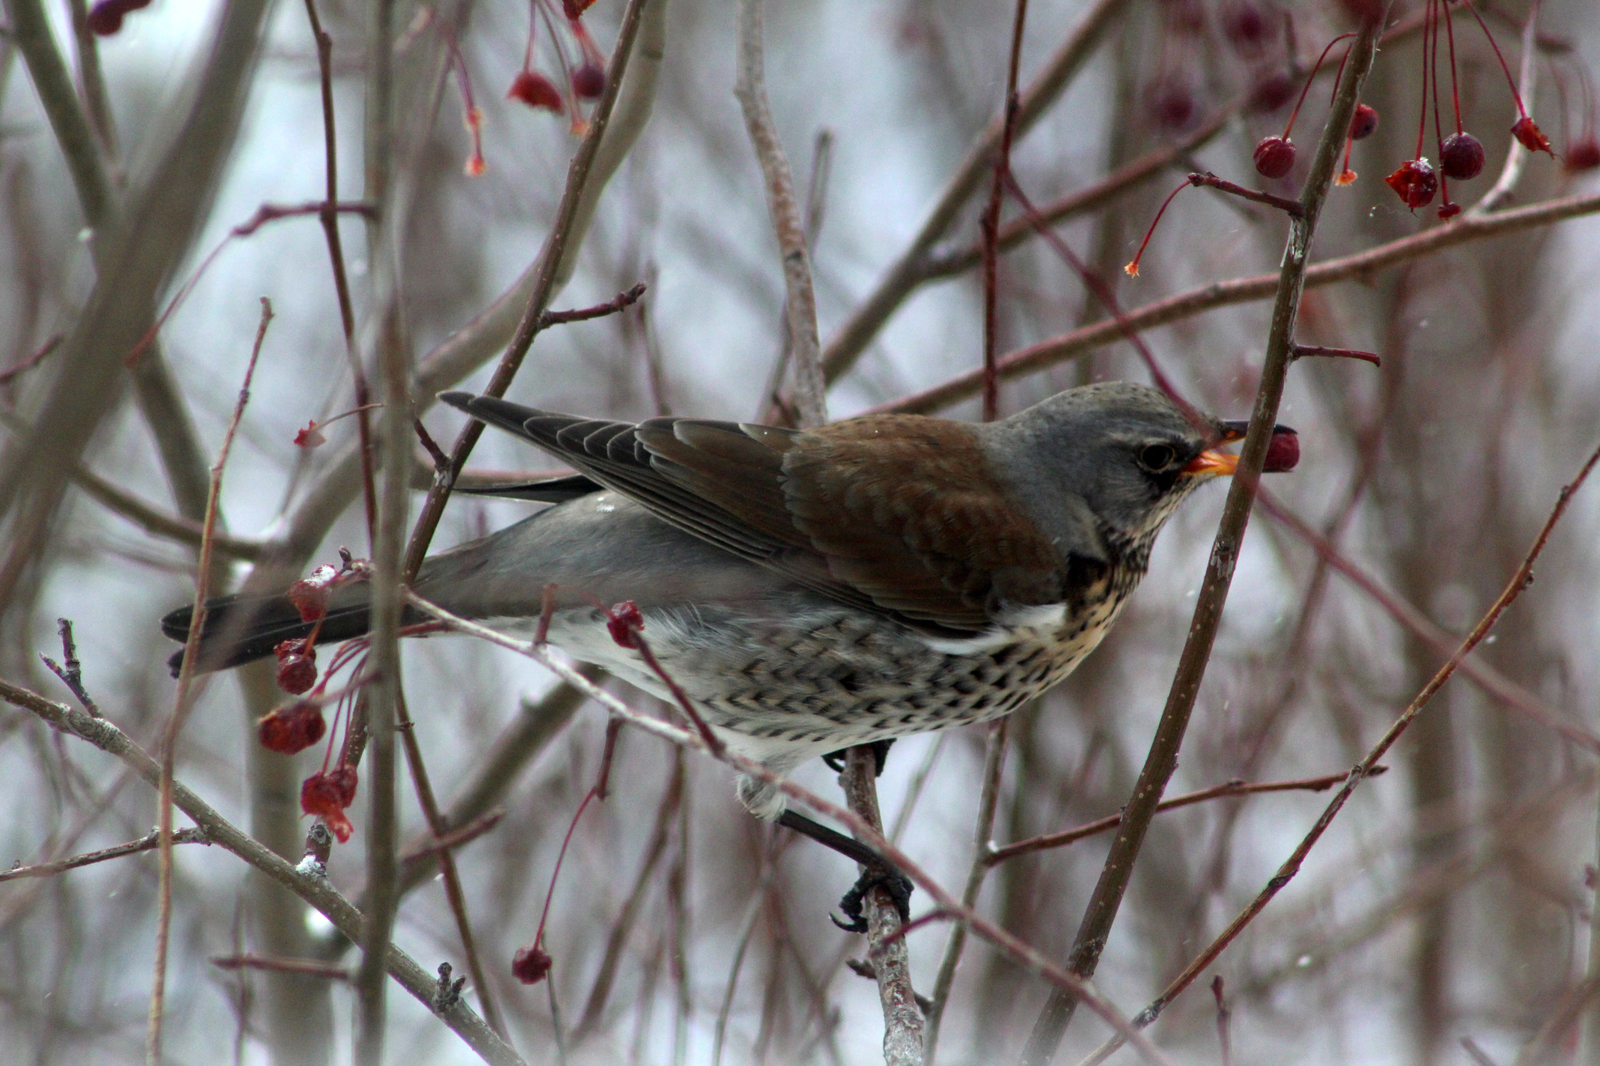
1162,760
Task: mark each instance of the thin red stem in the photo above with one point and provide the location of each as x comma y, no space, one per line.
1422,117
1450,35
1522,112
1132,269
1310,78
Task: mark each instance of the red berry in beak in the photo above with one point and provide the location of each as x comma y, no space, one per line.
1415,182
1461,157
1283,451
1274,157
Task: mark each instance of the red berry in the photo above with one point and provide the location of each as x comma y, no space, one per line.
588,81
535,90
1449,209
1583,155
1363,123
625,623
1274,157
297,666
1414,182
1171,103
1245,26
530,965
1531,137
1461,157
1283,451
326,795
1270,93
292,729
310,596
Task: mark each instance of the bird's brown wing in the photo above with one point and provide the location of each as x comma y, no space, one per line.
895,514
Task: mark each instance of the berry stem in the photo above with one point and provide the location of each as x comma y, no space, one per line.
1422,118
1522,112
1132,269
1296,112
1450,35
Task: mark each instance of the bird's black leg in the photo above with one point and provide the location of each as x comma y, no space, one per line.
878,870
880,756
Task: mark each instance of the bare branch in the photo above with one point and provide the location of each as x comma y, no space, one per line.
800,305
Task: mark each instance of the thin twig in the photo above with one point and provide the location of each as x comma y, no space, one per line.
149,842
1361,265
447,865
989,225
1209,180
1162,761
183,701
800,302
891,961
904,274
994,756
1520,579
382,699
28,362
276,964
71,675
995,856
328,213
308,882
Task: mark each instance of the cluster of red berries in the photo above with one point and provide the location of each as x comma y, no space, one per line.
297,726
585,80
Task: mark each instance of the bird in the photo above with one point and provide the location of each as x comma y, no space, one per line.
816,589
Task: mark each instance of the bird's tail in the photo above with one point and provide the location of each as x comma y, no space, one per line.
241,629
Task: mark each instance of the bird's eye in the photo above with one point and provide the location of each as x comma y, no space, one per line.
1157,457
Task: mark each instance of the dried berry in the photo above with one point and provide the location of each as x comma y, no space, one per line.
1583,155
1363,123
1274,157
292,729
297,666
1527,132
625,623
1461,157
530,965
535,90
1283,451
1270,92
588,81
310,595
1414,182
326,795
1449,209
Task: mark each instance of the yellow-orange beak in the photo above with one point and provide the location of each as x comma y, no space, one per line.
1212,463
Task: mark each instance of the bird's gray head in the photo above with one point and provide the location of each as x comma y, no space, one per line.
1126,450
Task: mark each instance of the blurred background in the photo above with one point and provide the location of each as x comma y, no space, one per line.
1446,916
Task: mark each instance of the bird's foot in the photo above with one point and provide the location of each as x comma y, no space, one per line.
880,755
877,875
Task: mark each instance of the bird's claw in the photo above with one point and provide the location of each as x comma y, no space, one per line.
897,884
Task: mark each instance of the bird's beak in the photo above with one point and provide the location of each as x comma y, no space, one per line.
1282,454
1212,463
